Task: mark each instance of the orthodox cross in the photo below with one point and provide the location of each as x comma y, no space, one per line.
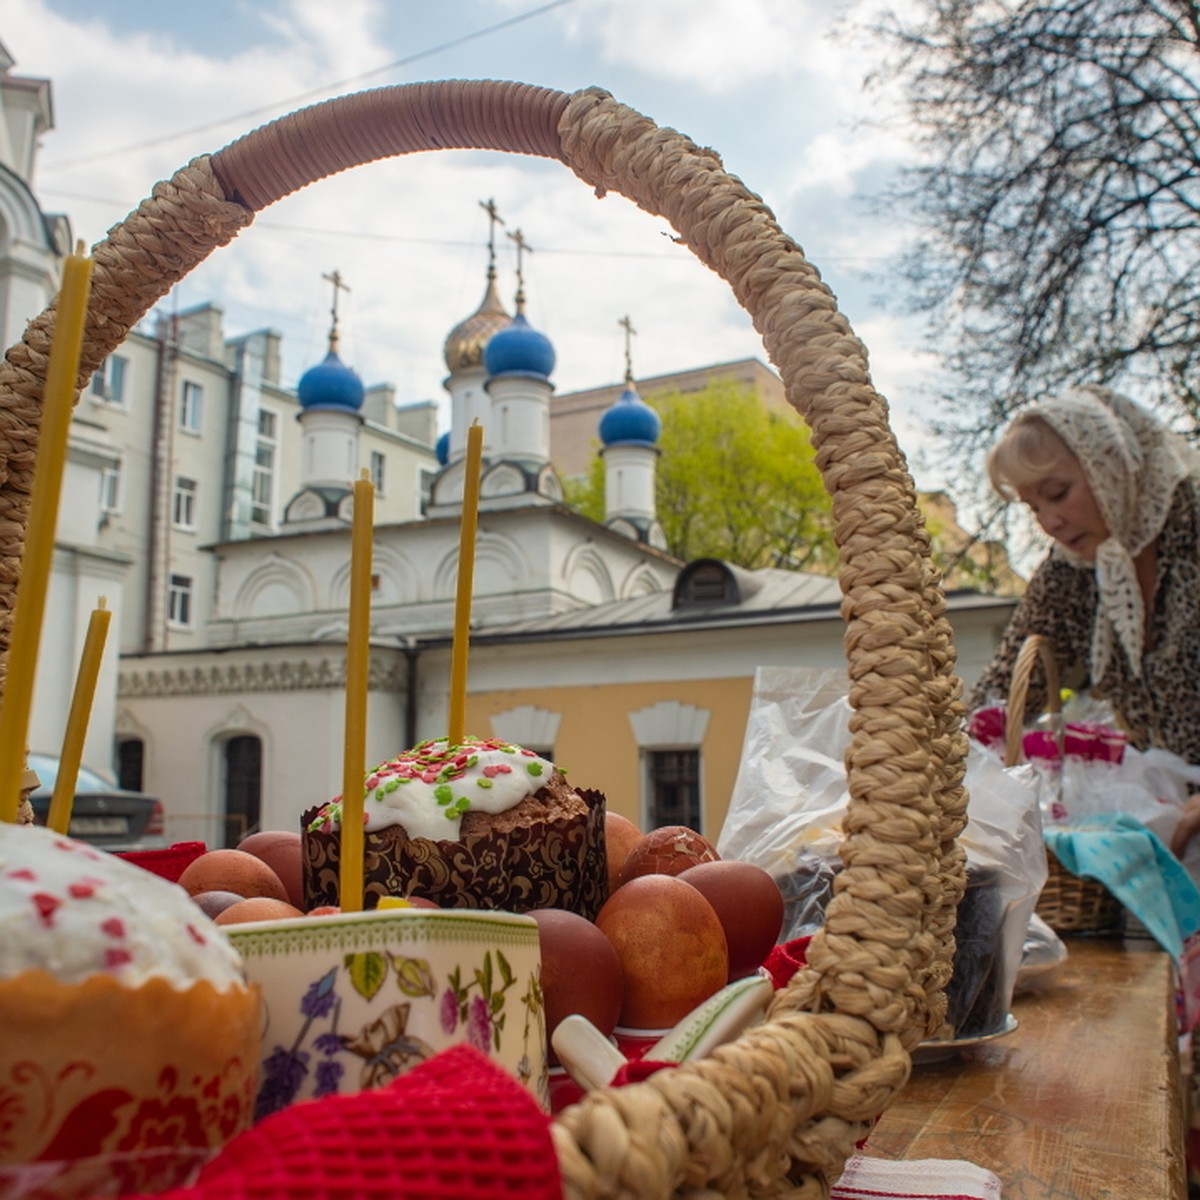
338,286
494,219
627,325
522,247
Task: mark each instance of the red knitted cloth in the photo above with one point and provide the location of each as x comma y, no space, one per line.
457,1126
168,862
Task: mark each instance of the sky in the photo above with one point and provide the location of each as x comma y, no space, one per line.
142,86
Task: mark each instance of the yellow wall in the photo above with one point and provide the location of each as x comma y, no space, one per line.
596,743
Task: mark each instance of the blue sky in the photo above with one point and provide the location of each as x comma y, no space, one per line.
141,86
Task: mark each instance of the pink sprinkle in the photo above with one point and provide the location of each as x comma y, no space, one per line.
46,906
197,936
22,873
429,777
497,769
115,957
114,927
82,890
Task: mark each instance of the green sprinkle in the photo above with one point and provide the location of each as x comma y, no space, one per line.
535,768
483,783
391,785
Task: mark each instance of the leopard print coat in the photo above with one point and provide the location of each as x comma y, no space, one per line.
1161,707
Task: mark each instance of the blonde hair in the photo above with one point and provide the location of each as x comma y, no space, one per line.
1028,451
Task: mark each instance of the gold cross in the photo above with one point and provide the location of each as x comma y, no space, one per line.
522,246
338,286
627,325
494,219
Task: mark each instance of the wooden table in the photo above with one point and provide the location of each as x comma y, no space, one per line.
1082,1102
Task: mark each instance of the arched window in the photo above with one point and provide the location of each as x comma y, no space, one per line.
243,786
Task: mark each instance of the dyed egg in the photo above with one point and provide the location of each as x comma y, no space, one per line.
214,903
671,946
282,851
620,837
667,850
581,972
748,904
232,871
257,908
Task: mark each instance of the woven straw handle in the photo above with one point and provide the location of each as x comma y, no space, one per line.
785,1102
1033,650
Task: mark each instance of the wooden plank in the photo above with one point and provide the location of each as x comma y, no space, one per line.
1082,1102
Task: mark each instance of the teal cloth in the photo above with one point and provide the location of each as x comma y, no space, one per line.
1137,868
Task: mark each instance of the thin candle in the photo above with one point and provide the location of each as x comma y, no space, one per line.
63,796
358,651
58,401
466,580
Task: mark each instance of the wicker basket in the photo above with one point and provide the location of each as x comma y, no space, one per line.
778,1111
1067,903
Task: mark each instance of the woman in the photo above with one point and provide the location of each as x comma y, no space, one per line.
1118,595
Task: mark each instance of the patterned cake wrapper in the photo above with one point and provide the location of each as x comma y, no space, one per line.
548,864
109,1090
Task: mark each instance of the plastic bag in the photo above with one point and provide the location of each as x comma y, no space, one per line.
785,816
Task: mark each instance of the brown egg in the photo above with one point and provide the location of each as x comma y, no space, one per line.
581,972
620,837
213,903
671,946
257,908
232,871
749,905
282,851
667,850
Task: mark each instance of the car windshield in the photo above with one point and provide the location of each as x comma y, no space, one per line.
85,781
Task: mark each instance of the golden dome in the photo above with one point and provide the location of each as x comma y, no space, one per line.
465,342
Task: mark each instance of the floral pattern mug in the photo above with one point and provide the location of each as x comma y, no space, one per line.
353,1000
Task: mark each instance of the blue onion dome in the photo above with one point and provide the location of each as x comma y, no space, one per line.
442,449
630,419
465,342
331,384
519,349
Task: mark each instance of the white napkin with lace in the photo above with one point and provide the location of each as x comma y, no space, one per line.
916,1179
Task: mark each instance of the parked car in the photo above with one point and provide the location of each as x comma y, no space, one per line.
102,814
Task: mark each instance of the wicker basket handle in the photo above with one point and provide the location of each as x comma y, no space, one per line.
788,1100
1034,649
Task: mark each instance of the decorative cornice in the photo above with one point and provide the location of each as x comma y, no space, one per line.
296,675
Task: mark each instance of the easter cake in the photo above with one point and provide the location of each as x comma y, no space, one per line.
91,946
480,824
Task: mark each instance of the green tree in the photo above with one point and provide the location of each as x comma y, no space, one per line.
1059,197
735,481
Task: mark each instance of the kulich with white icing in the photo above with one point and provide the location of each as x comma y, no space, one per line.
74,911
429,789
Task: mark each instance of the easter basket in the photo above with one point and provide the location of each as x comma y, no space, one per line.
1068,903
779,1110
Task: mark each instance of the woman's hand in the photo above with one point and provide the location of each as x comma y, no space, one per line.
1188,827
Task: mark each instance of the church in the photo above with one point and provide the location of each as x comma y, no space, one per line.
221,540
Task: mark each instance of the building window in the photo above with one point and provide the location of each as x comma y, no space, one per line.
263,488
673,788
179,601
110,382
425,482
110,489
183,503
191,403
378,465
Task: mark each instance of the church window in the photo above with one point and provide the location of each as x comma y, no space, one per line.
179,601
191,404
109,382
183,503
263,487
110,489
378,471
673,788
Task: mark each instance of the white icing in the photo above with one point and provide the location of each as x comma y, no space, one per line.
74,911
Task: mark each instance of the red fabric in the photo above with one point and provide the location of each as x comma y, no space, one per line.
786,959
456,1126
169,863
637,1070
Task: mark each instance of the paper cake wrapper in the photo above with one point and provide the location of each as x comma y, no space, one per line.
546,864
109,1090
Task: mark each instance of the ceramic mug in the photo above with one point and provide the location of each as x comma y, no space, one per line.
355,999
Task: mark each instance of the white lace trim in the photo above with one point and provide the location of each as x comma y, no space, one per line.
1133,464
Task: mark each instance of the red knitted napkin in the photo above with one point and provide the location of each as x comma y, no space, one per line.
457,1126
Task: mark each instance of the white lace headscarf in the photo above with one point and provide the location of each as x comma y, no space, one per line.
1133,465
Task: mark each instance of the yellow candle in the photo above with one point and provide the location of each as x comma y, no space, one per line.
58,400
80,713
466,577
358,653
